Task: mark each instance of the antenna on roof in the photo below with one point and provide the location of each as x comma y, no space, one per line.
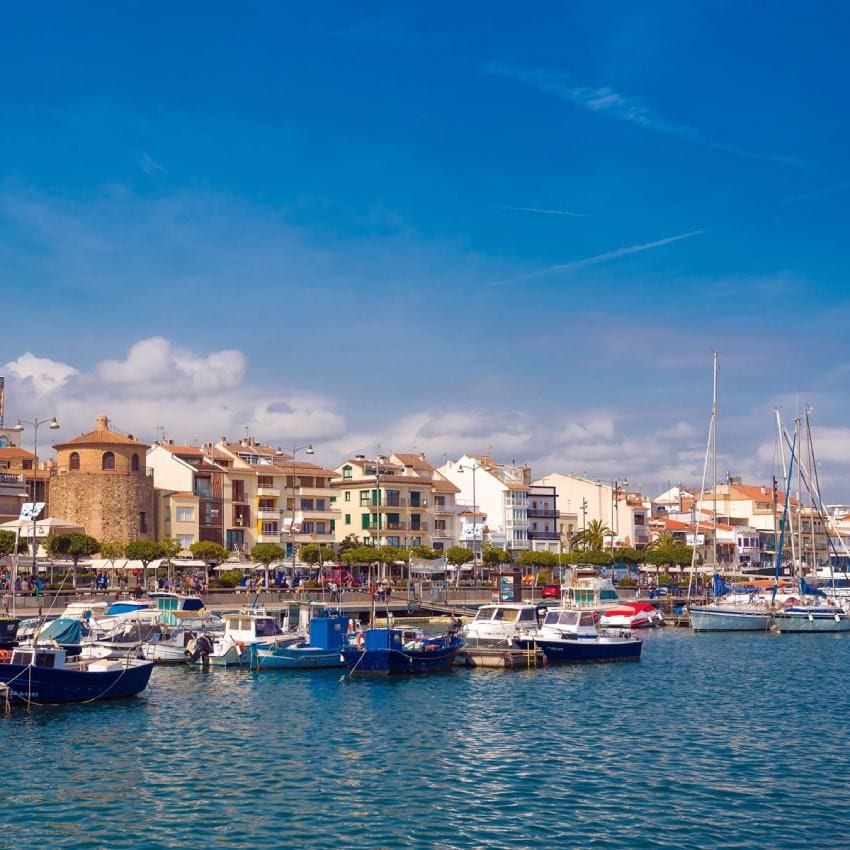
160,433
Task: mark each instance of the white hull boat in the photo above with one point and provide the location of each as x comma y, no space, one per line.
729,618
811,619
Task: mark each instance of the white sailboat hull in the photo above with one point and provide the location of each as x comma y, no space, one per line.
727,618
811,621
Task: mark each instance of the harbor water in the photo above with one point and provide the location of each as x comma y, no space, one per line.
715,740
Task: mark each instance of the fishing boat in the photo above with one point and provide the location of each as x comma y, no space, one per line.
500,624
399,651
44,675
632,615
327,633
570,636
250,627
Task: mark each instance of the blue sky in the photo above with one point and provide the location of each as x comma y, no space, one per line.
490,227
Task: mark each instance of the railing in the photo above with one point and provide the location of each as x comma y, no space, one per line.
543,535
543,513
268,491
10,478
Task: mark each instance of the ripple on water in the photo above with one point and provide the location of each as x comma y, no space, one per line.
711,740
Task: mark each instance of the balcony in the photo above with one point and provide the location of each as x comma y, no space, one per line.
273,492
268,513
543,535
269,538
401,502
543,513
441,534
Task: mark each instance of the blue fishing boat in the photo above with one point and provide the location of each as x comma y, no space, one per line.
389,651
43,674
327,631
568,636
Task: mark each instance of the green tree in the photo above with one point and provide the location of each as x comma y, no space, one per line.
144,551
111,550
350,541
170,548
313,553
209,551
540,560
7,544
665,540
597,558
492,556
592,537
265,553
422,552
74,546
457,556
627,556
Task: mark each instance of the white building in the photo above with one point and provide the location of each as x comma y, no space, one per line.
498,491
609,503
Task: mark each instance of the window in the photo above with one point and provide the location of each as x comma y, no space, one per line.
364,521
185,514
333,526
74,460
394,541
440,501
134,463
143,519
415,498
346,473
348,519
365,498
265,481
439,525
238,491
269,527
185,540
640,519
347,495
333,499
26,464
108,461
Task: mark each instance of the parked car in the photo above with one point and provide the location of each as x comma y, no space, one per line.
551,591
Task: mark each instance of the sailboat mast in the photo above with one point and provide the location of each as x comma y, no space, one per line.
714,458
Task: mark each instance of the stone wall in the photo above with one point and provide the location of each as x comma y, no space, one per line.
109,506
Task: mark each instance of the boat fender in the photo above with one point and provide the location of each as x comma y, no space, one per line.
240,645
358,641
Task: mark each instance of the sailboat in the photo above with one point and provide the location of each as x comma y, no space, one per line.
814,612
729,612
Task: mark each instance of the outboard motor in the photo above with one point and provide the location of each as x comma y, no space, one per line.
199,648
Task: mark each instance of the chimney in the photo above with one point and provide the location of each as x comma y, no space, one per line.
360,457
101,423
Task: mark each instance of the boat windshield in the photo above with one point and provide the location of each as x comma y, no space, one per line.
266,627
484,613
508,615
561,618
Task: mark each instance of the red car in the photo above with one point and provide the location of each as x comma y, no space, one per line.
551,591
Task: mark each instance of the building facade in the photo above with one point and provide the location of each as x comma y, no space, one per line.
101,482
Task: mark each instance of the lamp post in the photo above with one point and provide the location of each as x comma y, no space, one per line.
36,423
308,450
474,466
615,507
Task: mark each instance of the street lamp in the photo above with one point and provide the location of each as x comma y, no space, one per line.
36,423
474,466
615,506
308,450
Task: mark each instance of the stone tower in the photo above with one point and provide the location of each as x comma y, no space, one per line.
101,482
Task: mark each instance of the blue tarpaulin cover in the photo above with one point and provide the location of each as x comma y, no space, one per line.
63,630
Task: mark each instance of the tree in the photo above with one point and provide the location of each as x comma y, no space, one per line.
75,546
265,553
359,555
422,552
7,544
457,556
313,553
492,556
545,560
209,551
144,551
350,541
627,556
170,548
111,550
596,558
665,540
592,537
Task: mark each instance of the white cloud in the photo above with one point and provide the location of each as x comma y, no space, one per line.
155,363
44,375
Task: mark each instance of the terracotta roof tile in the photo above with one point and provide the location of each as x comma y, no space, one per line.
101,438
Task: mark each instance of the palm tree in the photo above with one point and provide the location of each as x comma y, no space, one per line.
593,536
665,540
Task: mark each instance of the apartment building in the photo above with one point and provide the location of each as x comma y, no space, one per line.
400,500
543,519
500,492
583,500
13,488
290,500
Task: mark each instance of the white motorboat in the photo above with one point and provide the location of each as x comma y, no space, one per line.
250,627
730,617
501,623
801,619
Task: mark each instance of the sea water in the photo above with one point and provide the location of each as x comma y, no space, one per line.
726,740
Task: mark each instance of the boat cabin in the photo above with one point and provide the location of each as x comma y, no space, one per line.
41,656
510,613
576,623
248,627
